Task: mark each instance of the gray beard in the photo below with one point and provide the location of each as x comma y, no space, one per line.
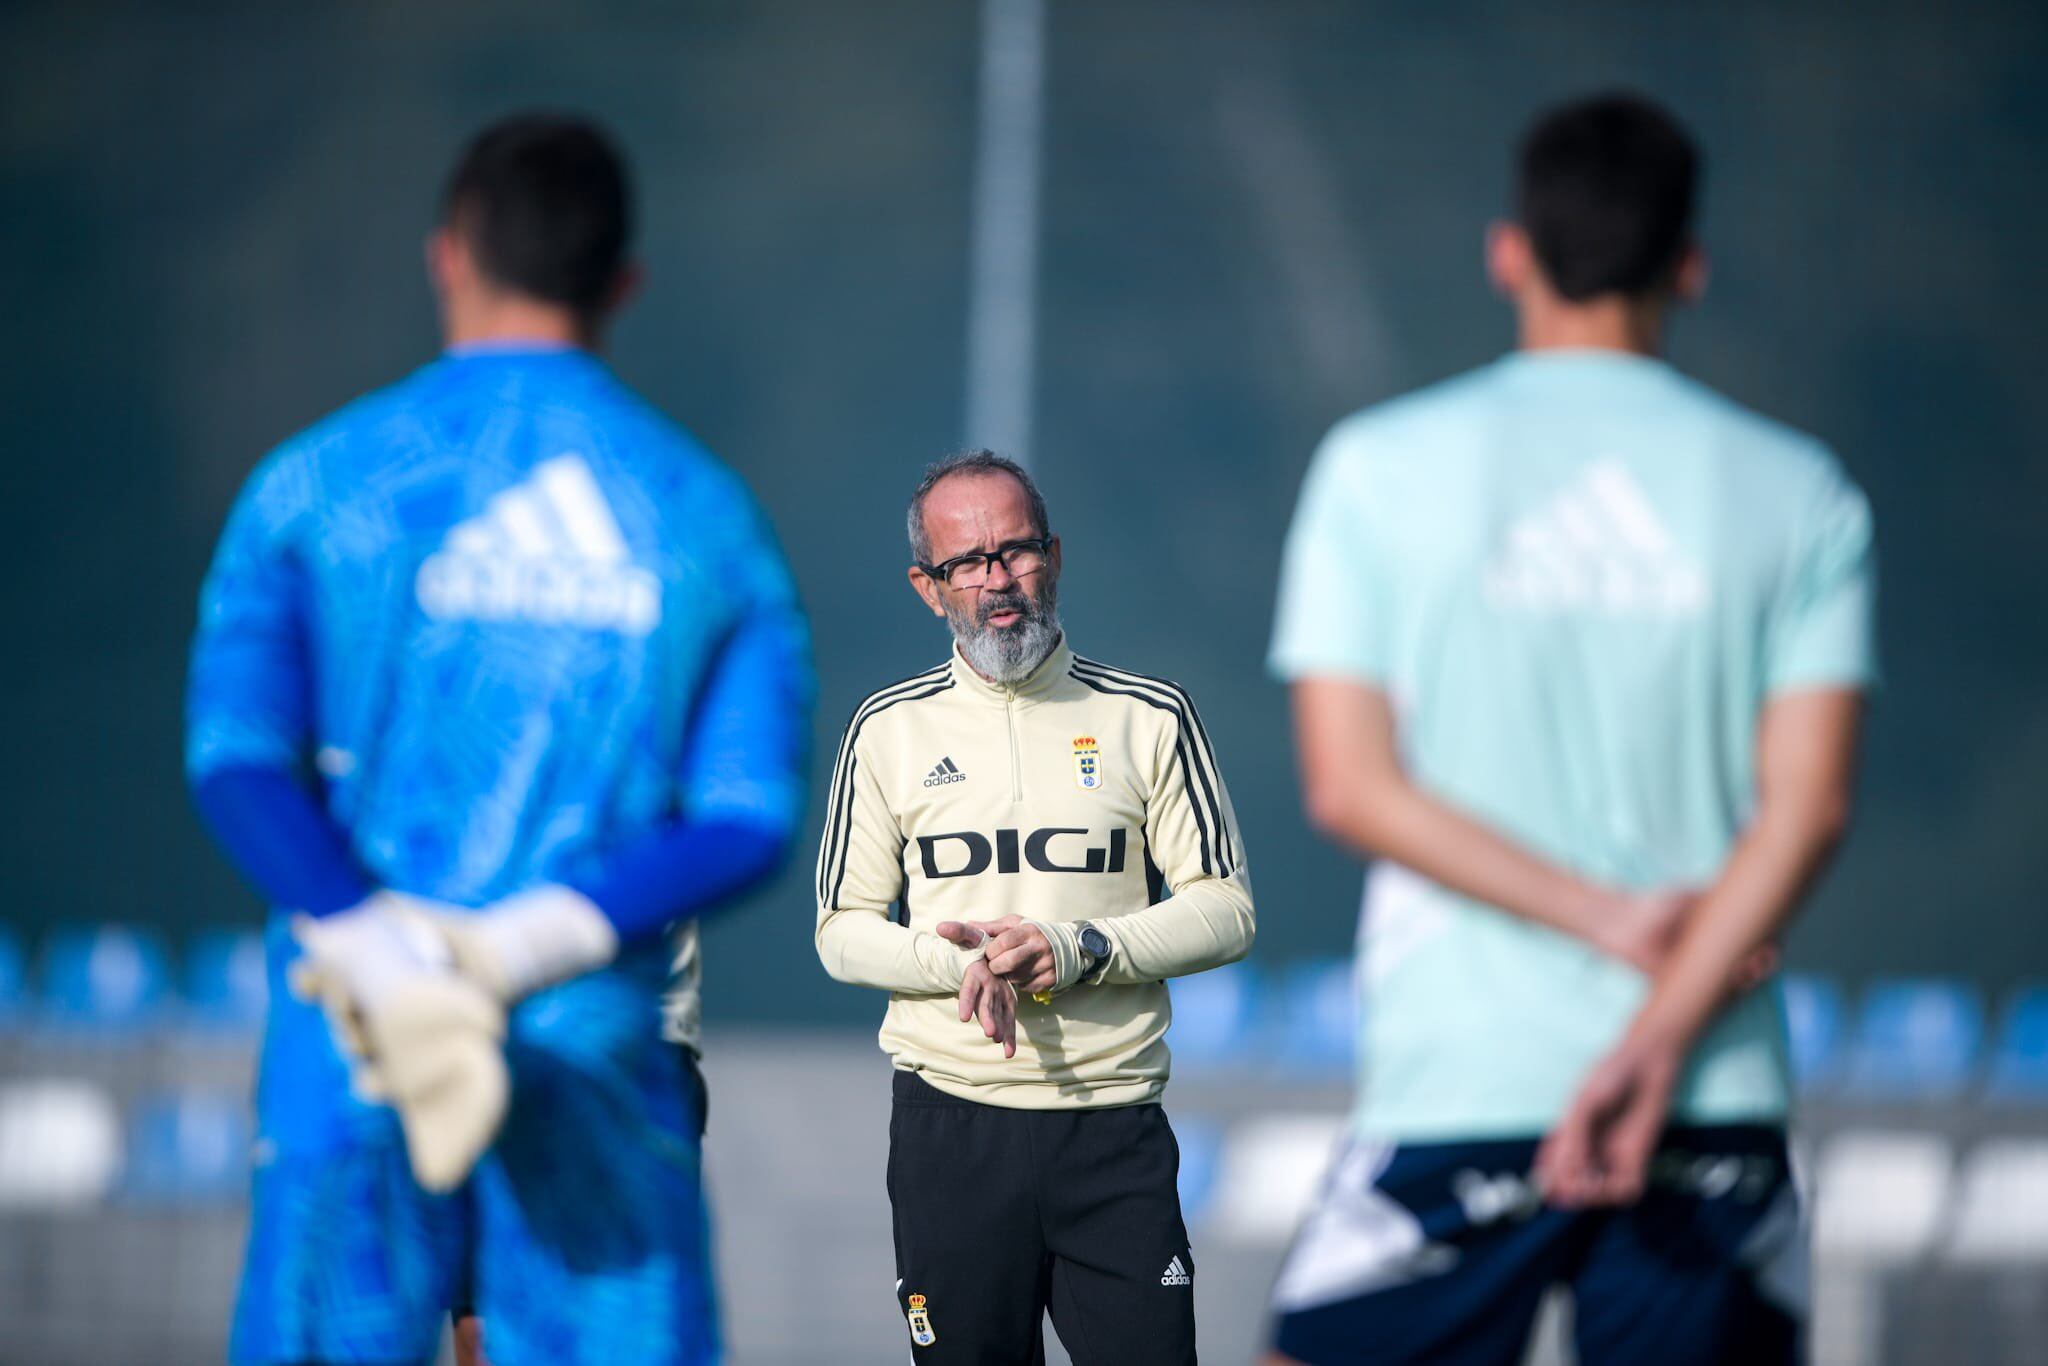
1009,657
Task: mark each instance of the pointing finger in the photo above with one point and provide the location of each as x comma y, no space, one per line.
1007,1012
1563,1157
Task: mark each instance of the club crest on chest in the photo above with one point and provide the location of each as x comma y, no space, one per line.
1087,763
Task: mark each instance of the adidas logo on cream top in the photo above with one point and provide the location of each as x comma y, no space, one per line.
1095,796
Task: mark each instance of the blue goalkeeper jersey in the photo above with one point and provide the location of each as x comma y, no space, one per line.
510,619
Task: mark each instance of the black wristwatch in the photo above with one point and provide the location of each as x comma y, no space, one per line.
1094,948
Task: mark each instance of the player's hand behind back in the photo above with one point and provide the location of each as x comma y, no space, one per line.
1642,928
419,1034
1645,927
1599,1152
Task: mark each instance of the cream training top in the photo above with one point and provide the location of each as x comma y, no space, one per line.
1083,793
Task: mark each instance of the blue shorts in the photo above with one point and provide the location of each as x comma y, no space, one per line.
1442,1252
581,1237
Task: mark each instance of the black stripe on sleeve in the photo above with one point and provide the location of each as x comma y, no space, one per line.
1204,770
1180,752
839,823
1204,752
841,774
840,767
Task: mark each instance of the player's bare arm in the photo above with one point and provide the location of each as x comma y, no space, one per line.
1358,794
1806,757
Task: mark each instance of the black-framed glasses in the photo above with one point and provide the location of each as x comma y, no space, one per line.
971,571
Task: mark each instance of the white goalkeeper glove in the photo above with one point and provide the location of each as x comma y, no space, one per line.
417,992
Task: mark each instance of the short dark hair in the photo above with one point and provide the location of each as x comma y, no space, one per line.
967,462
1606,192
545,202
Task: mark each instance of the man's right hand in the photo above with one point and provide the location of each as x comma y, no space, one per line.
987,997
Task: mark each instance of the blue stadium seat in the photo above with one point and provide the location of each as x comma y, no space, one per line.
1212,1016
1315,1019
225,986
105,979
1813,1020
2019,1056
1201,1154
188,1147
1916,1039
11,985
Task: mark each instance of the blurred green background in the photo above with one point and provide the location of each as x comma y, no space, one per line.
1256,218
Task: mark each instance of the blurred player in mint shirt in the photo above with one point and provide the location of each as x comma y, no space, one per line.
1576,648
499,681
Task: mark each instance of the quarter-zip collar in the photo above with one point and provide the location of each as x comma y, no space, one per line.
1042,679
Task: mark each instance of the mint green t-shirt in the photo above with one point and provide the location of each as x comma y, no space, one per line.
1578,575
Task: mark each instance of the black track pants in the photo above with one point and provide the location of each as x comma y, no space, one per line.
1004,1215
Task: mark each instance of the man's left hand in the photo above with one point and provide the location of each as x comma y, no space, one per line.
1599,1153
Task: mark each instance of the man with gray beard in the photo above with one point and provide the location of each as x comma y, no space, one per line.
1021,846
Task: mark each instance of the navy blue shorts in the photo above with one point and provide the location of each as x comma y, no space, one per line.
1443,1252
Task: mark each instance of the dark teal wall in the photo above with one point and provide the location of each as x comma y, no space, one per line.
1257,217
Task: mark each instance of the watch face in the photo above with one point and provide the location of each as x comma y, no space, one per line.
1094,943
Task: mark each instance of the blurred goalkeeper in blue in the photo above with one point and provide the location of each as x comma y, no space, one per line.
500,681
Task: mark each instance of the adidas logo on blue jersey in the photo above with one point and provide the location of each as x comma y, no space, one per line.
1598,547
1176,1273
546,551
